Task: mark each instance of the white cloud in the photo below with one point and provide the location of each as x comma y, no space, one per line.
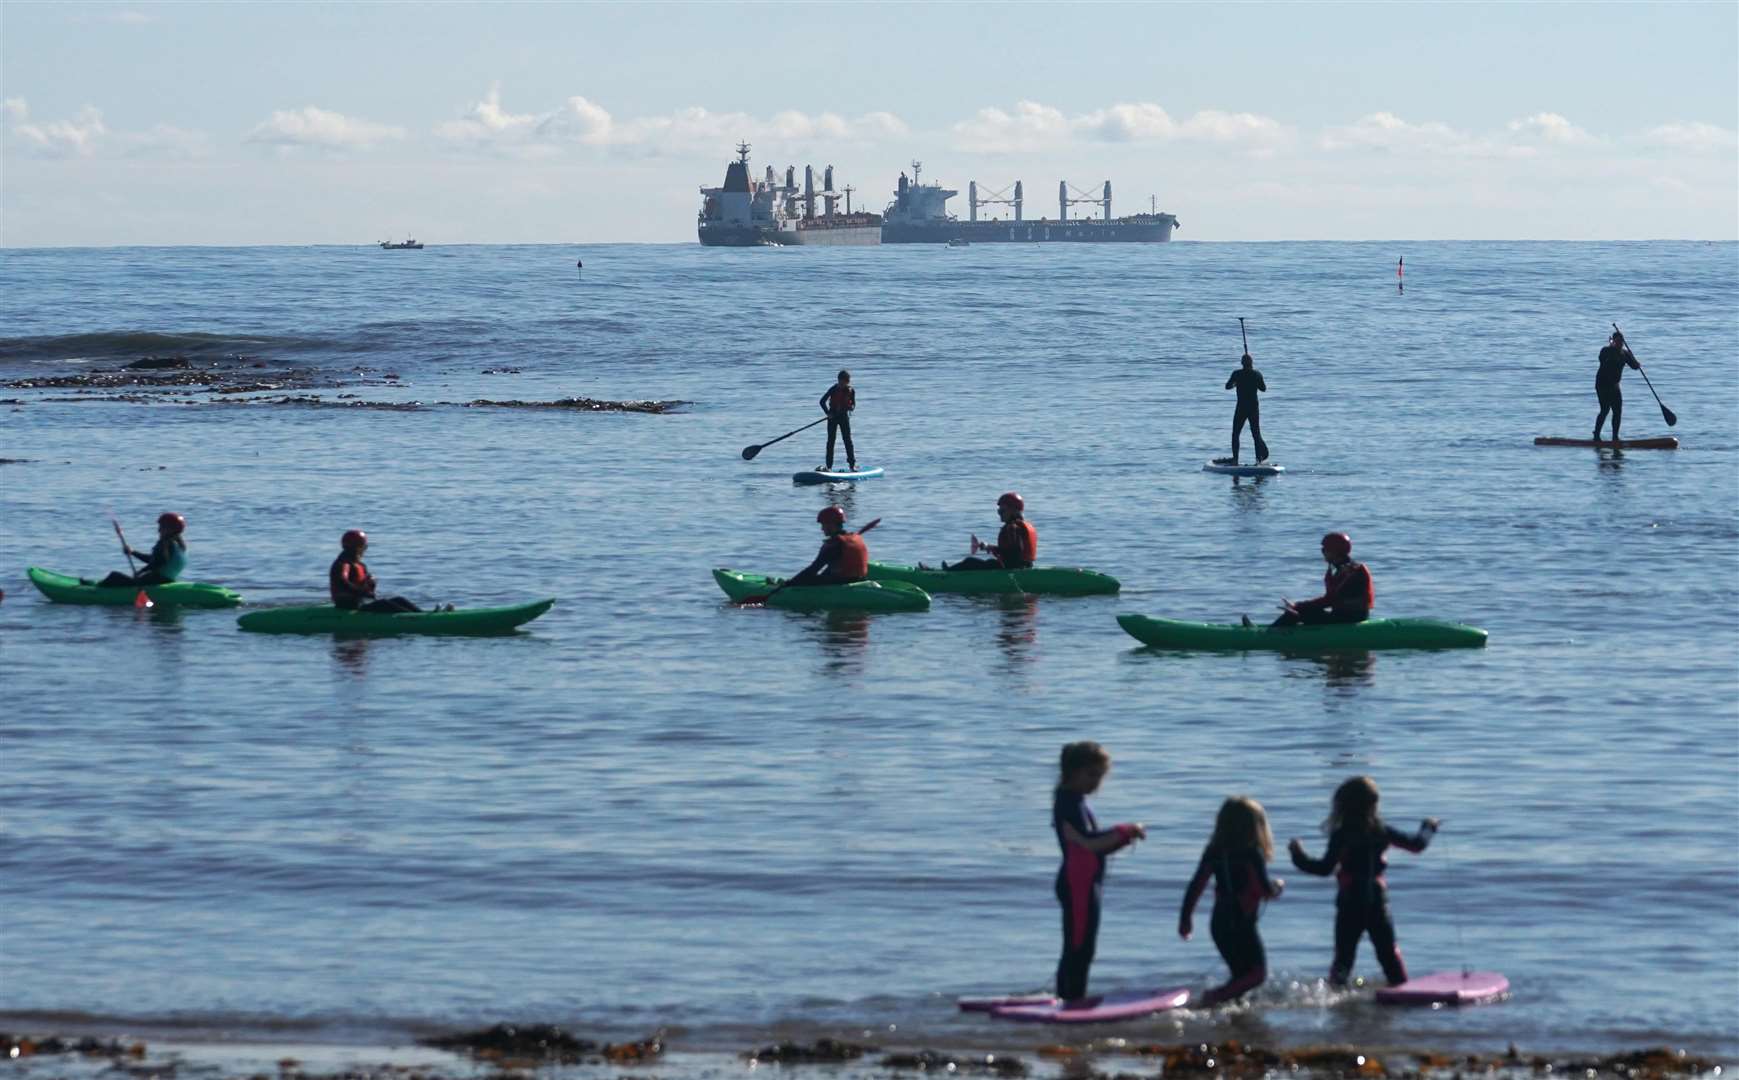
487,125
77,137
1552,128
315,127
1032,125
1386,131
1693,135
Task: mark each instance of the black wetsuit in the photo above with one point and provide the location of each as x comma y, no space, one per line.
838,402
1079,881
1249,382
1241,883
1613,359
168,554
1356,857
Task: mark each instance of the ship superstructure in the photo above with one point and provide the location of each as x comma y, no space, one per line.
919,215
745,213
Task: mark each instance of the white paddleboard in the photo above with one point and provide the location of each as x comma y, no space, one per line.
1267,468
825,475
1447,988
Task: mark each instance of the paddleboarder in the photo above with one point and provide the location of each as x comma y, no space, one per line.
1614,358
351,584
1357,840
1236,861
838,402
1347,590
1016,545
843,559
165,561
1249,383
1085,847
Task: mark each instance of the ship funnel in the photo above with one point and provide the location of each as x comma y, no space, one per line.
972,199
790,179
1017,200
1063,199
1107,200
809,191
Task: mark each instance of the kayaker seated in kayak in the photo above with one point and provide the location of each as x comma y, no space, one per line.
837,402
353,586
1016,545
1614,358
1347,593
843,559
165,561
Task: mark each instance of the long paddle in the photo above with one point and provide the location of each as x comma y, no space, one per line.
1666,414
749,452
1245,334
781,586
141,599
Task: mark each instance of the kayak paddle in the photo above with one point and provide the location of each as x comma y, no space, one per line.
141,599
763,599
1666,414
749,452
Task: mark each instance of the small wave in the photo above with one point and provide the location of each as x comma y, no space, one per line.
132,344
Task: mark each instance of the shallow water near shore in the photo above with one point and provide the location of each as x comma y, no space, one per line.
654,809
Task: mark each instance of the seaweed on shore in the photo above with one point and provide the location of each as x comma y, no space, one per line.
931,1061
13,1047
512,1045
583,404
821,1051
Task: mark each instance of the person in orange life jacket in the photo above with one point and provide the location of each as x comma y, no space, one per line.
353,586
1614,358
1086,846
1016,545
1248,381
1236,861
1347,594
844,557
838,403
164,563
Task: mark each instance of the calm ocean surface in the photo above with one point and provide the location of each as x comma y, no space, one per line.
653,808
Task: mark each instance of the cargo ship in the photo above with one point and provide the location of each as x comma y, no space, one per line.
748,213
919,215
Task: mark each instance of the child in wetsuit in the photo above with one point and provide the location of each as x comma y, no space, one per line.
1085,847
1357,840
352,586
166,560
838,402
1236,860
1614,357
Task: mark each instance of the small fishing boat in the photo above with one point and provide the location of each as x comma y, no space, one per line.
408,245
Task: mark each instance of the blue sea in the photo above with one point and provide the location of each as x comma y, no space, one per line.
653,808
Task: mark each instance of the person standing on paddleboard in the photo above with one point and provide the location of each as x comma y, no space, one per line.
1347,591
1085,847
1614,358
1016,545
351,584
164,563
838,402
1249,383
1236,861
843,559
1357,840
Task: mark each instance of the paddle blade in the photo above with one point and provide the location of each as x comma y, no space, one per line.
749,452
1669,416
142,601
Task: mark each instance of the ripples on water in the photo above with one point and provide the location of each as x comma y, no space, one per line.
655,807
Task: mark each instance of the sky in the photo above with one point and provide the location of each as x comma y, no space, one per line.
308,123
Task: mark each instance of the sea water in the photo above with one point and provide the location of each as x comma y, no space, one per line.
651,807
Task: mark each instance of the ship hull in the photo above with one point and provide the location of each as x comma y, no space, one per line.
844,236
1035,232
718,235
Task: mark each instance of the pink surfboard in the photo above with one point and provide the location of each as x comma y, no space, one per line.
1108,1009
1447,988
986,1004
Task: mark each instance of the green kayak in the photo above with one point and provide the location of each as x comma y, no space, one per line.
1370,634
69,590
326,619
1040,580
858,596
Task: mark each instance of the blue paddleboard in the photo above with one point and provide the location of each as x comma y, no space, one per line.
833,476
1267,468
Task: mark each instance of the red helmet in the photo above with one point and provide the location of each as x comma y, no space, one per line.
355,538
1009,498
831,516
1338,544
173,522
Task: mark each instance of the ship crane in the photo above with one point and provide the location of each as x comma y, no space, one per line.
1064,202
996,198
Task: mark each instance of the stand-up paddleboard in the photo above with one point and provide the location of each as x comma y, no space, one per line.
1008,1001
1447,988
825,475
1664,442
1109,1009
1267,468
